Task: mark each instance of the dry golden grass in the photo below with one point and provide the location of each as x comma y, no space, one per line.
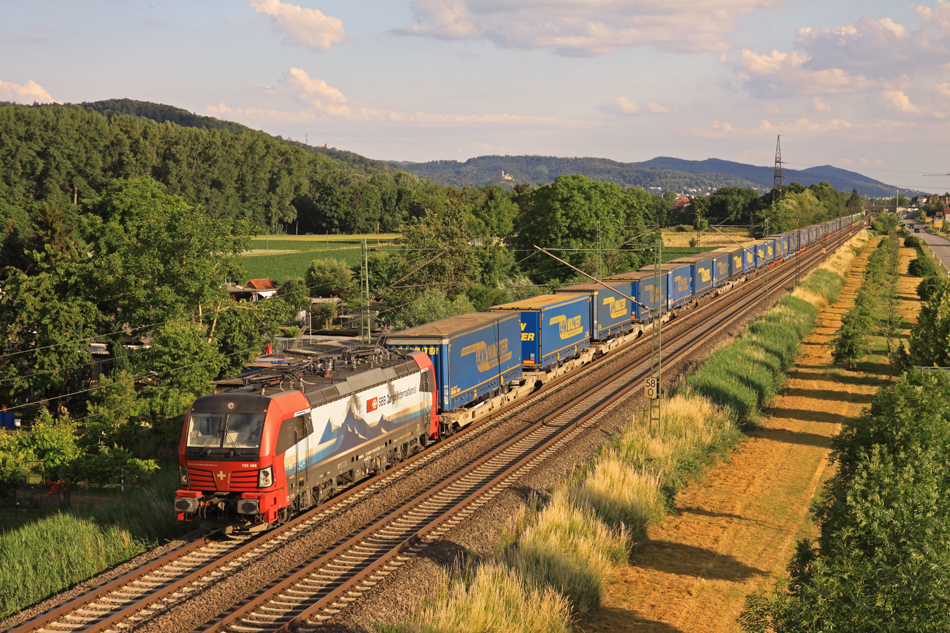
711,238
497,599
573,544
690,426
570,548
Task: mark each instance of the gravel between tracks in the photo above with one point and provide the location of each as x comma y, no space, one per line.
392,600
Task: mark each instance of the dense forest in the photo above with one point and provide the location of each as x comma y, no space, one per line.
66,155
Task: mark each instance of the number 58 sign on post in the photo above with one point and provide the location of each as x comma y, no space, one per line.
651,388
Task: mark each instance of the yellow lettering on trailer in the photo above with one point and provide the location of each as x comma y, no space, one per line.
488,356
569,328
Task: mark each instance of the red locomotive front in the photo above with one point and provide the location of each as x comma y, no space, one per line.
251,459
227,465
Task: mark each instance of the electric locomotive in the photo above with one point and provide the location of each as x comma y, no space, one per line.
286,437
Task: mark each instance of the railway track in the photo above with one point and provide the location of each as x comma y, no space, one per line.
324,586
320,588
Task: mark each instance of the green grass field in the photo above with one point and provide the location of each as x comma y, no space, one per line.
319,242
283,257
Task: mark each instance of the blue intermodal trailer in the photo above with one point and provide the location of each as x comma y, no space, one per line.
736,257
553,327
641,289
680,288
748,257
781,245
754,255
701,273
474,354
609,308
721,266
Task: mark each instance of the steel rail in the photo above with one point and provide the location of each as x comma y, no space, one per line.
366,576
345,498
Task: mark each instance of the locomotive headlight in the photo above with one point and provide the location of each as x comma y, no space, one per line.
265,478
183,475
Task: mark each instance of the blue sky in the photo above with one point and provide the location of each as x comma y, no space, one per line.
858,85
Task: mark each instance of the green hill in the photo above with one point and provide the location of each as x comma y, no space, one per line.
491,170
657,175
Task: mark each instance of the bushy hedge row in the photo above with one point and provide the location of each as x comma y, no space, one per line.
882,561
875,308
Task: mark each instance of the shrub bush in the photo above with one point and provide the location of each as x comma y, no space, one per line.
922,266
929,286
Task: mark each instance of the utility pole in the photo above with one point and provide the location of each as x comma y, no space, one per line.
654,385
766,279
366,334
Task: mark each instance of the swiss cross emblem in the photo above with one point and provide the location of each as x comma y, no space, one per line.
372,404
221,475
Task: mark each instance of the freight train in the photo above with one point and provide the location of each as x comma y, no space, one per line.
274,442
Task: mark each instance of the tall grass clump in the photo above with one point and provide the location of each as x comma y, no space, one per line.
55,553
624,496
570,549
495,599
59,551
824,285
692,429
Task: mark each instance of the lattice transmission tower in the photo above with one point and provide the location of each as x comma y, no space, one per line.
777,182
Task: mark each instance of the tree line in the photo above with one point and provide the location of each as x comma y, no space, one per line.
881,561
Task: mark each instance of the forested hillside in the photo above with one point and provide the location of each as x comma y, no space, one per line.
487,170
158,112
659,174
66,155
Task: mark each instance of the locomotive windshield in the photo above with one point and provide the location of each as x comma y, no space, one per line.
225,431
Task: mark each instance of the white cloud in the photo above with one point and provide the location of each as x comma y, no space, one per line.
938,17
585,27
328,103
263,89
897,100
881,49
785,74
26,93
621,106
656,108
801,127
820,105
307,27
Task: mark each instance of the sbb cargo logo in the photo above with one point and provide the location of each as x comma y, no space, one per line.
372,404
